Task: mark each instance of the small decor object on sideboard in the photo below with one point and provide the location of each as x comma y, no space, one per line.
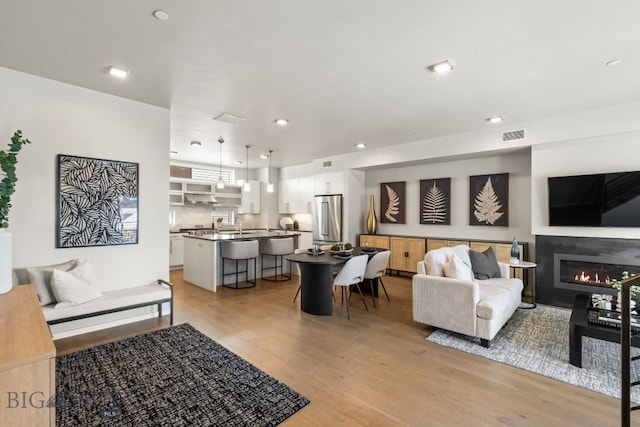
372,221
8,160
515,252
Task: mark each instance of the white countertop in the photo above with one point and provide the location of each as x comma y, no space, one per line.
263,234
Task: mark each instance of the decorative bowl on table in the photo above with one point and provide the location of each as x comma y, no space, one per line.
344,252
368,249
343,255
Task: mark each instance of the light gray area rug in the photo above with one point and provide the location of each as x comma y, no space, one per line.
537,340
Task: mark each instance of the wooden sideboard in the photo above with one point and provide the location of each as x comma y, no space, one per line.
27,361
407,251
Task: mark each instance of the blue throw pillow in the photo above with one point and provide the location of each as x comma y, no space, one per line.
484,264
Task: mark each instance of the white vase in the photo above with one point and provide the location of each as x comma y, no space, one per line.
5,261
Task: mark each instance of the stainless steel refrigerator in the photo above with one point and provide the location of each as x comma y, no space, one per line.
327,219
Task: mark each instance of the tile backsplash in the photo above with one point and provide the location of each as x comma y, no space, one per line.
191,216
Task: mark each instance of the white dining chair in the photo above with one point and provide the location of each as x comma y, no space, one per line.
352,273
376,268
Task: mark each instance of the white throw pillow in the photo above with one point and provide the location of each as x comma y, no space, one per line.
455,268
40,278
74,286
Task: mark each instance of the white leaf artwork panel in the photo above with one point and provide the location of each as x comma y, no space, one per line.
97,202
434,206
487,206
393,206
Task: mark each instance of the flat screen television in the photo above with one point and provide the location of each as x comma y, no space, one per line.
598,200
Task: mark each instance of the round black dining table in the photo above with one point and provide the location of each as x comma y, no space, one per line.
316,279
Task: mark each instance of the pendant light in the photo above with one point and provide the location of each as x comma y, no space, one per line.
247,184
270,183
220,184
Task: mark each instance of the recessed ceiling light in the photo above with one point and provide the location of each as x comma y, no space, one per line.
161,15
496,119
441,67
360,145
196,143
264,156
118,72
281,122
614,62
173,152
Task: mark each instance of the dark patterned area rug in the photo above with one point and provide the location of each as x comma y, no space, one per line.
172,377
538,341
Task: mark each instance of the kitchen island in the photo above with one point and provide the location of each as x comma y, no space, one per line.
202,259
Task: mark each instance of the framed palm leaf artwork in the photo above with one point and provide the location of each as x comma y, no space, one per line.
489,200
435,201
392,202
97,202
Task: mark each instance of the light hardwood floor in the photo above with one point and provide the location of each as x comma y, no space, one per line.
373,370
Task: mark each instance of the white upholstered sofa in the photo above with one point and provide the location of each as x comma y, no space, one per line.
446,294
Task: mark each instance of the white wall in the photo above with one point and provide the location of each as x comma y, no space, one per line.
518,167
64,119
612,153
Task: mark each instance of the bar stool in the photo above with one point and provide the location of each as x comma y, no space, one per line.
237,251
276,248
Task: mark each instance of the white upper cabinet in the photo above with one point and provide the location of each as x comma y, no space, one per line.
295,195
288,196
251,199
196,187
305,194
329,183
176,193
230,195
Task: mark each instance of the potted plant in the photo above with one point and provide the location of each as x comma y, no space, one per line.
8,162
633,290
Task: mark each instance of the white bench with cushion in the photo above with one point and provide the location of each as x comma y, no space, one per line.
65,292
471,294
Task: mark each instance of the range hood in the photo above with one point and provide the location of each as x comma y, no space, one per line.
199,198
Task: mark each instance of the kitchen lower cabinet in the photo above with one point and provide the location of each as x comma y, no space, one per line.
406,252
176,251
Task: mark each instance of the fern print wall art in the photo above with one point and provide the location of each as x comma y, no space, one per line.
435,201
392,202
97,202
489,200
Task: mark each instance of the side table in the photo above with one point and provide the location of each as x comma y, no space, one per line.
527,267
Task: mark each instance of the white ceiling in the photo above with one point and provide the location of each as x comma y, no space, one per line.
342,71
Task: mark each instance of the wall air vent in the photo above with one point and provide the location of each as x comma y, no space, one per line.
513,135
326,164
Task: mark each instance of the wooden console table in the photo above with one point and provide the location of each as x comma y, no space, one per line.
27,361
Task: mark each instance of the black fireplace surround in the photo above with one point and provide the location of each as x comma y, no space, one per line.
568,266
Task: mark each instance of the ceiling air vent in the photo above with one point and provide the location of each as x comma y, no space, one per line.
229,118
513,135
326,164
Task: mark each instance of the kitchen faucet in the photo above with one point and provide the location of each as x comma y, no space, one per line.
239,220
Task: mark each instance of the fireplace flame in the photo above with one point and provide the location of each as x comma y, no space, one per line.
586,278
